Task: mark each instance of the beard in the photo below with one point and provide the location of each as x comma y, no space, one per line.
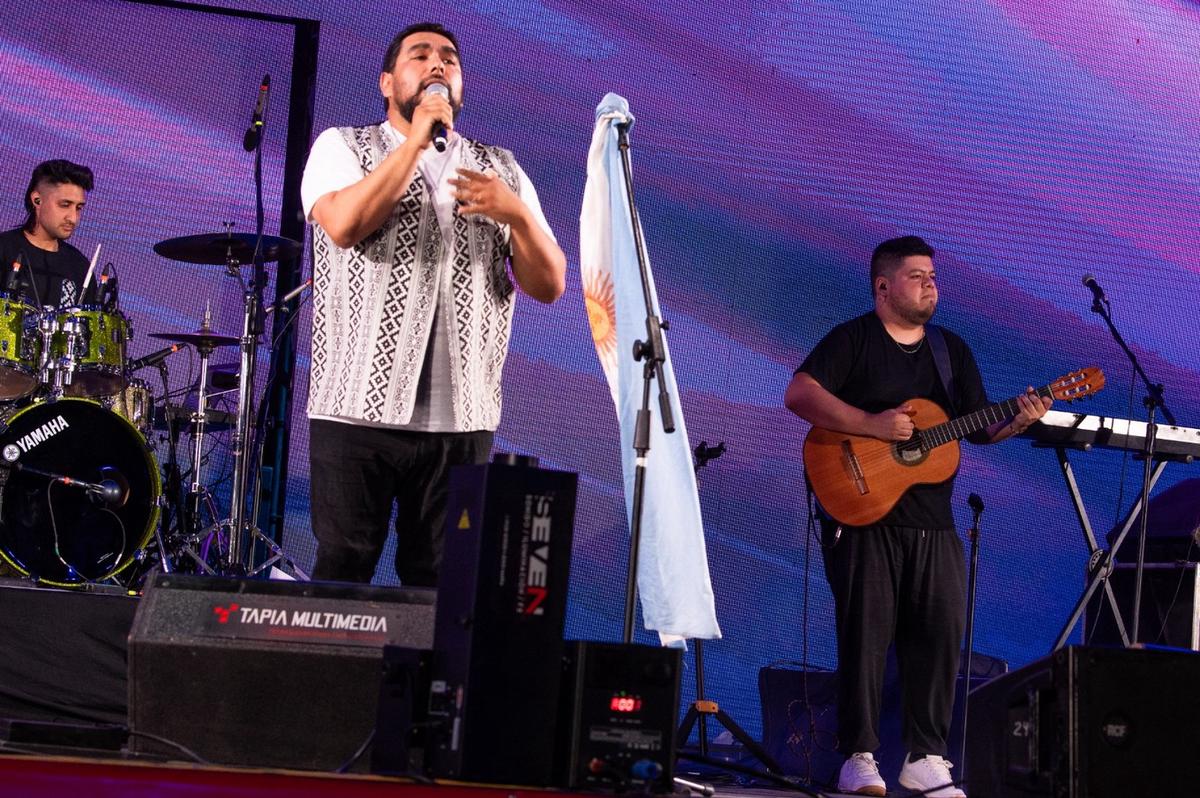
914,313
410,104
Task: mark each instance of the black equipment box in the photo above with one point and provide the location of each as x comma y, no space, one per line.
619,711
499,624
265,673
1087,722
1170,610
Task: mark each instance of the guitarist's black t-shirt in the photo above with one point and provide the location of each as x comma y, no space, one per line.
859,363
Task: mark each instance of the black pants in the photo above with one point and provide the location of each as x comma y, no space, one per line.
358,473
903,585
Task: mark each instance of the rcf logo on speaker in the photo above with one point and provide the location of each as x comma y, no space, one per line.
222,613
534,577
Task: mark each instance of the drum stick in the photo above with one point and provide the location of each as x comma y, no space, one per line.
87,278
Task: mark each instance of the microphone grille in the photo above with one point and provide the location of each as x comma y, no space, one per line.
1089,278
438,88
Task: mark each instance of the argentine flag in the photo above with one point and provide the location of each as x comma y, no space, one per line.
673,581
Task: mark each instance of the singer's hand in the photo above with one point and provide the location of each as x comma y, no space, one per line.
487,194
433,108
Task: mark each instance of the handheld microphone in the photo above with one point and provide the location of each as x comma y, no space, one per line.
154,358
438,134
253,136
1090,281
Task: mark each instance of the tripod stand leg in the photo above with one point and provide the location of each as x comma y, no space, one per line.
278,555
750,743
686,726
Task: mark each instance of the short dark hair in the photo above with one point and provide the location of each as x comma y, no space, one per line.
58,172
393,50
888,255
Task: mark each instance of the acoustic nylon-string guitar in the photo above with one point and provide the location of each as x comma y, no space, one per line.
859,479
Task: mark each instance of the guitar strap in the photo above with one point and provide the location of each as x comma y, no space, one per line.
941,358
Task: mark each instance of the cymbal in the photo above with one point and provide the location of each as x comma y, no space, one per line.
215,420
219,248
201,339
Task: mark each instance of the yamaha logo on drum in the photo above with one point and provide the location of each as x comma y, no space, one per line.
42,433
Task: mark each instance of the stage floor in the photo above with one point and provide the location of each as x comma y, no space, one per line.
70,777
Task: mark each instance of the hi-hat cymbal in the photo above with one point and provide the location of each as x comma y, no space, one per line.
218,249
201,339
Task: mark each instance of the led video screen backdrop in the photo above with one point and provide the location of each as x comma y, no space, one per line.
776,143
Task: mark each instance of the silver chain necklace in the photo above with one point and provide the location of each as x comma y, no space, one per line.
910,349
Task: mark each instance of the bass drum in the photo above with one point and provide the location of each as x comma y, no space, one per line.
59,534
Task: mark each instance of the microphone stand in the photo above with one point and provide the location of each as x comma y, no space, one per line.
697,714
652,352
1153,402
976,505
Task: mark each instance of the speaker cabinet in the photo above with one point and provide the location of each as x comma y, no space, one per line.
498,633
1087,722
265,673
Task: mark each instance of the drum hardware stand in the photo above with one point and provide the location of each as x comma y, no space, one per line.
57,372
702,708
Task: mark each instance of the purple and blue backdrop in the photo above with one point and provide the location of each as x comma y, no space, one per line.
776,143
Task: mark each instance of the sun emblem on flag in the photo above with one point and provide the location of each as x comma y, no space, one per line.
602,315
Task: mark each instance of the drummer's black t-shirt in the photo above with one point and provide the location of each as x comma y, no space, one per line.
46,278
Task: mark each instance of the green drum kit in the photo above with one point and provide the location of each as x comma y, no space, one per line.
81,491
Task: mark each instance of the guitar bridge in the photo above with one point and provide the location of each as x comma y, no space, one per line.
853,469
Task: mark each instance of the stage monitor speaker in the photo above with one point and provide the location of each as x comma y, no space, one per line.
619,710
1087,722
1170,606
265,673
499,624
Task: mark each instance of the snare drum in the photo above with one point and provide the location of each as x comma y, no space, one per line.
56,533
135,404
99,350
18,349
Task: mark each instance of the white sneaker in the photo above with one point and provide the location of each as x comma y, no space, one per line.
860,776
930,775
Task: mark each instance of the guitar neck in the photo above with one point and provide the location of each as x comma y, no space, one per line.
958,428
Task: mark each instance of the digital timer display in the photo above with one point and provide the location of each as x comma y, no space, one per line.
620,702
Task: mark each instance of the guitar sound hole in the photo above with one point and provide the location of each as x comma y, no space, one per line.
909,452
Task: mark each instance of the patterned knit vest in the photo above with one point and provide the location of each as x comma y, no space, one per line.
373,303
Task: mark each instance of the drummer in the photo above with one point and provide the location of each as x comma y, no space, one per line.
51,270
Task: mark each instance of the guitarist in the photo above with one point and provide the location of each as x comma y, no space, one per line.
901,579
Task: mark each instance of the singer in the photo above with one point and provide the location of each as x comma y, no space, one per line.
417,256
37,265
902,578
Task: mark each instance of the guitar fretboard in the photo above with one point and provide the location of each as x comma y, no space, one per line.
958,428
